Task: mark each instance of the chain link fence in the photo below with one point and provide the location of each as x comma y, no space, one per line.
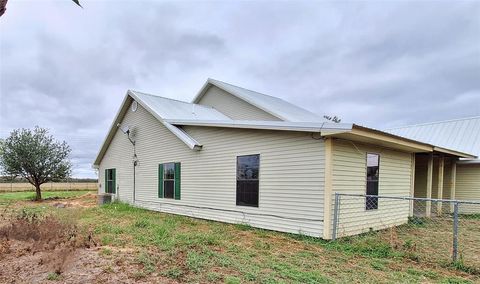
429,230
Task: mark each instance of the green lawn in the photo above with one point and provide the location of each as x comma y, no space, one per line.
28,195
192,250
156,246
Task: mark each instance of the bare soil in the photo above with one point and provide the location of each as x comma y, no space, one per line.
44,250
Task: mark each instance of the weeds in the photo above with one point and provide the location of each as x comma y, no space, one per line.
53,276
148,261
174,273
460,266
191,250
416,221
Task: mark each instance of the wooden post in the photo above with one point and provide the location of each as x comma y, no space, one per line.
441,166
428,211
453,181
412,184
327,224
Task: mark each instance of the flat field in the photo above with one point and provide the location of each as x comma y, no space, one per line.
53,186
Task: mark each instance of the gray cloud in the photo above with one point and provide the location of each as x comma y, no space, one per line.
381,65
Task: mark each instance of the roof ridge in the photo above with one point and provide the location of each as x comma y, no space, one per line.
212,79
138,92
435,122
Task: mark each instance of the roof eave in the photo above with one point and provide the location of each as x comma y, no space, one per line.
453,152
469,162
110,133
182,135
267,125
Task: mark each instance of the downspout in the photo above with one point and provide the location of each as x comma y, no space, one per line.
135,162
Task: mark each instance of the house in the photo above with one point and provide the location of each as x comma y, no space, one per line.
238,156
460,134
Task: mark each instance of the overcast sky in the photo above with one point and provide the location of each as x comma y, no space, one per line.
372,63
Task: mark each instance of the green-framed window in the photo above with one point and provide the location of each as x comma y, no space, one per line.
169,180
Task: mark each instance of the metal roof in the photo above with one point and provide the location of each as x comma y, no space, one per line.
172,113
459,134
169,108
275,106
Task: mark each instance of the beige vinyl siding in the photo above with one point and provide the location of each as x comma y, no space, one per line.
232,106
421,164
467,183
291,173
118,156
349,176
468,186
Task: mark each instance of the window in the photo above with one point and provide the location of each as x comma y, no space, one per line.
110,176
247,180
373,168
169,180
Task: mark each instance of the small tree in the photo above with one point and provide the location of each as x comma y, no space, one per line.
36,156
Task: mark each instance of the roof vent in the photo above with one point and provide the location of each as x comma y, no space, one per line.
134,106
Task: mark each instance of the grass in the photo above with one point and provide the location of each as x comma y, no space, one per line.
53,276
206,251
17,196
191,250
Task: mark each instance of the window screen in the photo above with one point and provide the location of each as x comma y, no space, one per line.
373,168
247,180
169,180
110,181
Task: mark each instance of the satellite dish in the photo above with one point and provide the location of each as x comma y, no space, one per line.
125,128
133,133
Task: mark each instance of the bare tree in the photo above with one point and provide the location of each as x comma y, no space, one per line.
3,5
334,118
36,156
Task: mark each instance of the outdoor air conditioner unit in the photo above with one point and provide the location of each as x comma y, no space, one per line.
104,198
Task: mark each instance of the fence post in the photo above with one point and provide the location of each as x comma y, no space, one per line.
336,208
455,232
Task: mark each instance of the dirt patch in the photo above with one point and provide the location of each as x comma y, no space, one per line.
50,243
37,249
85,201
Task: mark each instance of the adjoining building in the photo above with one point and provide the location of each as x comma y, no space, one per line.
439,176
238,156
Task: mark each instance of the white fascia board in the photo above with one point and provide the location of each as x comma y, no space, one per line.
469,162
268,125
454,152
113,127
182,135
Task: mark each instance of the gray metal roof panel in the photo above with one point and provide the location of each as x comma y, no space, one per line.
459,134
173,109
